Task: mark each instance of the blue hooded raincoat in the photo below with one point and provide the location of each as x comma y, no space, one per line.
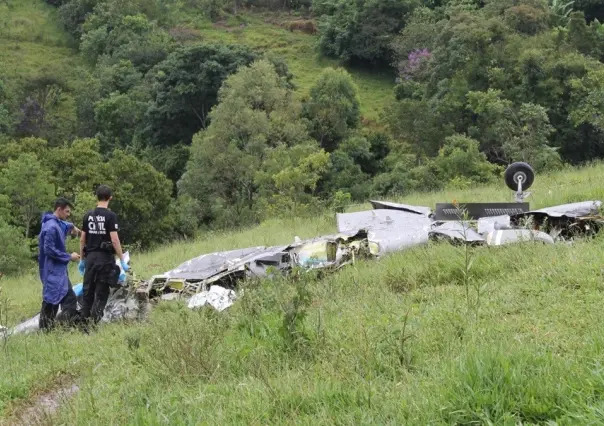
53,259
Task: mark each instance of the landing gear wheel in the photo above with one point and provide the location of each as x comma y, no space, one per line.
516,170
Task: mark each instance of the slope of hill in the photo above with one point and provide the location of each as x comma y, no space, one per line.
405,340
32,41
267,31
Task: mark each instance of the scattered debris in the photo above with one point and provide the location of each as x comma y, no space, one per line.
218,297
211,279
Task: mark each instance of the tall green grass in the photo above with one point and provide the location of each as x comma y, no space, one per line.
381,342
33,42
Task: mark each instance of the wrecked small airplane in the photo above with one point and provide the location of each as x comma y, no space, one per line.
389,227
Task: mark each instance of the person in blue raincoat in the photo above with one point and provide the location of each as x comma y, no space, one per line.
53,260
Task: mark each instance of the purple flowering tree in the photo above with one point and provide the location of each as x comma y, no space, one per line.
415,63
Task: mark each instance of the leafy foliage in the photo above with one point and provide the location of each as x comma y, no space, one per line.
14,257
333,108
361,29
255,127
142,198
26,183
185,88
517,93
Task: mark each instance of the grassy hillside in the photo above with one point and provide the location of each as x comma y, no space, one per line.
401,341
32,41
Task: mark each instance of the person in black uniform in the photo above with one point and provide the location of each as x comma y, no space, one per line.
99,244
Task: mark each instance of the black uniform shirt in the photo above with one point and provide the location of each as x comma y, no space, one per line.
97,225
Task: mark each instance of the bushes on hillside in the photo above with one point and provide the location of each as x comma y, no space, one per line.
360,30
512,94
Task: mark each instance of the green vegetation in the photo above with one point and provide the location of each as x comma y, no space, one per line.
231,123
392,341
268,31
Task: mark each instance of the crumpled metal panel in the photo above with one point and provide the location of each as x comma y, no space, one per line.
508,236
211,264
580,209
387,205
391,230
457,231
26,327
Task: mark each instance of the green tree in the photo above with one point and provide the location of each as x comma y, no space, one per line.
361,29
125,37
76,167
12,149
333,107
289,177
185,88
560,11
257,112
356,161
460,158
588,100
47,109
14,257
530,140
5,115
528,19
73,14
587,39
406,172
119,76
28,184
118,118
142,199
513,133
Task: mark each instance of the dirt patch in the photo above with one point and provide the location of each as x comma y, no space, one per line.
41,407
305,26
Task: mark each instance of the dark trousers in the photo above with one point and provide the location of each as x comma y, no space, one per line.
101,274
69,312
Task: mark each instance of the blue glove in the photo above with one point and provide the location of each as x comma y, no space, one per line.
122,278
82,267
125,266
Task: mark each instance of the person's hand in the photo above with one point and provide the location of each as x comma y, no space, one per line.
125,266
82,267
75,257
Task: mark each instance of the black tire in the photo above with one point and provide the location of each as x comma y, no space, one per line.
515,170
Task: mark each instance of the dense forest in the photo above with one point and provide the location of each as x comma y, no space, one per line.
204,134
